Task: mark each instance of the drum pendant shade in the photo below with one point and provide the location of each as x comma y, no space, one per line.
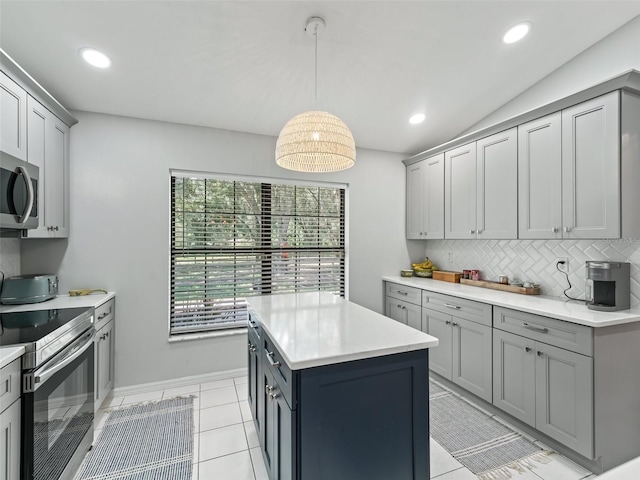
315,141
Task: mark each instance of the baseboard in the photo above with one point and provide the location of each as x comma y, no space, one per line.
179,382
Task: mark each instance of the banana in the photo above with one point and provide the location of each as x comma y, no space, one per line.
426,265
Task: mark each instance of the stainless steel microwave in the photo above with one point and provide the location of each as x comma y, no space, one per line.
18,193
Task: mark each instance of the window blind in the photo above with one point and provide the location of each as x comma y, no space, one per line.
235,239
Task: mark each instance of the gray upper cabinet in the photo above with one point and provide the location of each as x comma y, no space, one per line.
48,148
460,192
540,178
569,172
497,186
591,168
425,199
13,120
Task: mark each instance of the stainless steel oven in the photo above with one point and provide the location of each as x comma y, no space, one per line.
57,388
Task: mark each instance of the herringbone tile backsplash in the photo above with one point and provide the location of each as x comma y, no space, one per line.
534,260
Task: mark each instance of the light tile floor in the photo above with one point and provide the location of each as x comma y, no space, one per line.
226,444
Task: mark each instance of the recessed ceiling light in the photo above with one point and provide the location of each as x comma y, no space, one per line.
517,33
95,58
417,118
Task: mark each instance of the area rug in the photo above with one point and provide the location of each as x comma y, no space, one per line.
486,447
149,441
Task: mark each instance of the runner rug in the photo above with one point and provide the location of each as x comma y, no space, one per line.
486,447
150,441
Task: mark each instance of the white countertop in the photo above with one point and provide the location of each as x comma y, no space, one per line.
62,301
319,328
9,354
568,310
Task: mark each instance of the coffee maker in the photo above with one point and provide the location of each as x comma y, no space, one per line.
607,286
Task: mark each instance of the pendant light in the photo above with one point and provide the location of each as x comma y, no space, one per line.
315,141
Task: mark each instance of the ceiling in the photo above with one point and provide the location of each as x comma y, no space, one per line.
249,66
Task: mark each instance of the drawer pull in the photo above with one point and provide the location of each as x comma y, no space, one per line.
269,390
527,349
539,353
252,348
454,324
448,305
535,329
402,293
447,322
272,362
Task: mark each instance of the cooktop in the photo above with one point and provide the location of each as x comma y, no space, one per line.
39,326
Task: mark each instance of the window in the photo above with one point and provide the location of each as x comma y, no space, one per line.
232,239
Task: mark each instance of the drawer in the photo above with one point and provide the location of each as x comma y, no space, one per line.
458,307
567,335
10,384
408,294
285,378
104,313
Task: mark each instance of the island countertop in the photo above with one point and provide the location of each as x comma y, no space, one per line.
318,328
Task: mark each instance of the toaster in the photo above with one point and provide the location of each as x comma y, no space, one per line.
28,289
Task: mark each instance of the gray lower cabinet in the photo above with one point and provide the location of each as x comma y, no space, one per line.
10,421
403,312
360,419
104,365
464,330
547,387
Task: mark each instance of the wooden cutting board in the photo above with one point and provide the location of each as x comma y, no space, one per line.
501,286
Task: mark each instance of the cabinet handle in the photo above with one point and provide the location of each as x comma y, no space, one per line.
268,389
447,322
252,348
404,308
55,228
539,353
402,293
535,329
554,229
480,231
527,349
399,306
103,315
448,305
272,362
567,229
472,231
454,324
273,396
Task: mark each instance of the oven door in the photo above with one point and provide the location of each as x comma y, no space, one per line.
57,422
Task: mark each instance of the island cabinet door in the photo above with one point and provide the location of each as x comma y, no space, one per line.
278,434
254,379
514,371
472,357
564,397
439,325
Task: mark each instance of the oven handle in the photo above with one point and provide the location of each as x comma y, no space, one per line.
39,378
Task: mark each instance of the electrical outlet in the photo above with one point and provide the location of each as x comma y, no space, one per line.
450,257
562,267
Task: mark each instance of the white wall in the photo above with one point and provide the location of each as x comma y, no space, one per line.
119,236
611,56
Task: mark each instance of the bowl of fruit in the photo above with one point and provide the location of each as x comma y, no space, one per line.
424,269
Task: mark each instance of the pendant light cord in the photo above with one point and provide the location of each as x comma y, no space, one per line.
315,35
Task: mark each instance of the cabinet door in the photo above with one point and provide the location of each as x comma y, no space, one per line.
540,178
497,186
265,417
591,168
403,312
37,133
439,325
514,375
434,197
254,379
13,118
416,204
284,433
48,140
472,357
564,397
10,442
460,192
104,355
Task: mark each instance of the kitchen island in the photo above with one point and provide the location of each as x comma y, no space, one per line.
336,390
